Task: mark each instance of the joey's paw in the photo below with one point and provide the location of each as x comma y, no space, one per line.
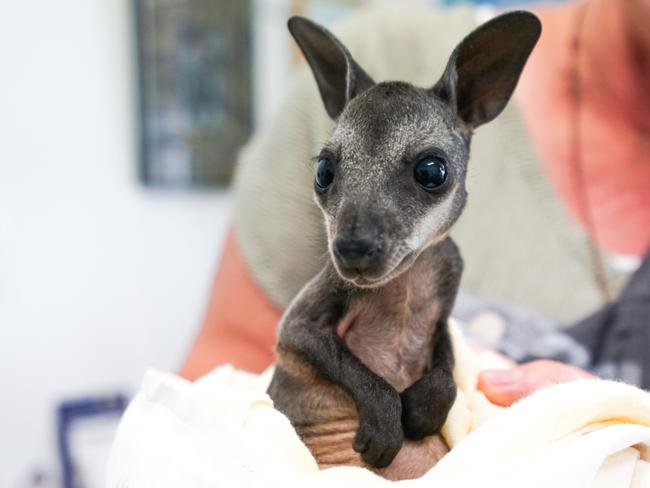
379,440
425,410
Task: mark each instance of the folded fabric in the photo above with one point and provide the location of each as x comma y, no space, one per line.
222,431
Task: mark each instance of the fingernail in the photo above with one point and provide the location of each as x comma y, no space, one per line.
502,377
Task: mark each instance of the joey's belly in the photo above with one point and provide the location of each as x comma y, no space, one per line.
400,353
331,445
329,426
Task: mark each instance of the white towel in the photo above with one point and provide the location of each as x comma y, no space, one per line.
222,431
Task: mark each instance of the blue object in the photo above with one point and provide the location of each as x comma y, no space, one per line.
70,412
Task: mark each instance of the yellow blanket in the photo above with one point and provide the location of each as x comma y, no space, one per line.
222,431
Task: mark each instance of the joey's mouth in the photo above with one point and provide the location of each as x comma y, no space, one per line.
371,277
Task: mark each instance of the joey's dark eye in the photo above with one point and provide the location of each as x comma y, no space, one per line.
324,173
430,172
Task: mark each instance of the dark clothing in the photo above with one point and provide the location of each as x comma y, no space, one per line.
617,336
613,343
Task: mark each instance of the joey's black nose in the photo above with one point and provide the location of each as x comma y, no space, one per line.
357,253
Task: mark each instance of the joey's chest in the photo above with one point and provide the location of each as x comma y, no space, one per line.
390,330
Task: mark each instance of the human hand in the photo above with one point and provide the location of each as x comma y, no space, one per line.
506,386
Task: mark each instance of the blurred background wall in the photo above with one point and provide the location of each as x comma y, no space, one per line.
100,277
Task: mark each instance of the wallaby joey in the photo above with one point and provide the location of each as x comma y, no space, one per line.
364,370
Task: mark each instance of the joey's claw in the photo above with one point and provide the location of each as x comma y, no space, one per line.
361,441
378,443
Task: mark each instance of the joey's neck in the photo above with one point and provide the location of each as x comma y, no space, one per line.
417,274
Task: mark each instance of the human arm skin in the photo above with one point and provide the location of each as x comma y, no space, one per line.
240,323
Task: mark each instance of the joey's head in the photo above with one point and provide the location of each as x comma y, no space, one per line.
390,179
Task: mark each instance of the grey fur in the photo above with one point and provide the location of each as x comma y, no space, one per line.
370,342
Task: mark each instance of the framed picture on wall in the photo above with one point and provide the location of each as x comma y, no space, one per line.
195,89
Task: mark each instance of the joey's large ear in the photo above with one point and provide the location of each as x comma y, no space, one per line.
484,68
337,74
